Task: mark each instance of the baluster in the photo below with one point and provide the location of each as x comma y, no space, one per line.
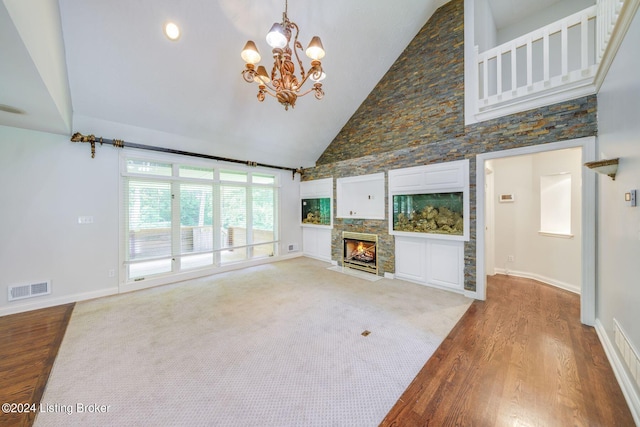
529,63
609,22
584,42
485,78
545,55
612,18
600,20
499,74
476,80
514,70
565,50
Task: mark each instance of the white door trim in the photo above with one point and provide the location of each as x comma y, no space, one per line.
588,269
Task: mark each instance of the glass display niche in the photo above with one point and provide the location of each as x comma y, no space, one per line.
436,213
316,211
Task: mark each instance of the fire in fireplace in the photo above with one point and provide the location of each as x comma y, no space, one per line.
359,251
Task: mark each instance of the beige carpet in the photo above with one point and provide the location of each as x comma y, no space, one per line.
275,345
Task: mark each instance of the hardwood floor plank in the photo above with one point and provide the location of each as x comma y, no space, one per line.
521,357
25,363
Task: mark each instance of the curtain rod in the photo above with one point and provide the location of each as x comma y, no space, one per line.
118,143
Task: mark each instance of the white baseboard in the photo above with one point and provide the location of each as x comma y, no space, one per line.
549,281
624,380
52,302
320,258
209,271
14,308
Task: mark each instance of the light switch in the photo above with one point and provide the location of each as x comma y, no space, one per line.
630,198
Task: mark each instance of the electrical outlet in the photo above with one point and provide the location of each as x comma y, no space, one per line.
510,258
112,273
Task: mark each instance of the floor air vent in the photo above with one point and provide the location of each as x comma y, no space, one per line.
30,290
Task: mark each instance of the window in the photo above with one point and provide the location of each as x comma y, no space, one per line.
555,204
180,217
149,227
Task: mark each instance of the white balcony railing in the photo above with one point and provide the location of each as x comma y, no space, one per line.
608,13
562,57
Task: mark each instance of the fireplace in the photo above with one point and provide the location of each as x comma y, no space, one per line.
360,251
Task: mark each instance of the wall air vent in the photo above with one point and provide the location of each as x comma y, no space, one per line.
29,291
627,351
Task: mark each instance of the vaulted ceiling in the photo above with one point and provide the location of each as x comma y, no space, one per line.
105,67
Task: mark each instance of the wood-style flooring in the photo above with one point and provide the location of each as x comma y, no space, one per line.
29,345
521,357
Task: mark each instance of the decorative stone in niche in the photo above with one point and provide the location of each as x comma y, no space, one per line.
430,201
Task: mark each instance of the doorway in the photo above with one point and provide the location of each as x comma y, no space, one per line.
587,229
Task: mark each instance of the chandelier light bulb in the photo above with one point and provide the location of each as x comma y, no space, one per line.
250,53
276,38
262,77
315,49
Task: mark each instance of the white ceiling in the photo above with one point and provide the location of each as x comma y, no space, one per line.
127,81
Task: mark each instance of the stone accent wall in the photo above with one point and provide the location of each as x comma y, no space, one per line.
411,119
420,98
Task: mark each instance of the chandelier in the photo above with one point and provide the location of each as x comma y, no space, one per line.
283,83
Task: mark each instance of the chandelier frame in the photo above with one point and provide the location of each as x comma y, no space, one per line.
283,83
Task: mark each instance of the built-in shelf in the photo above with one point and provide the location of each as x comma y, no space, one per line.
315,198
430,201
361,196
316,203
428,215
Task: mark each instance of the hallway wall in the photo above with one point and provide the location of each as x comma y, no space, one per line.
550,259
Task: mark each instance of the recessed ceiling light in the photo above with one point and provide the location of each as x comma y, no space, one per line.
172,31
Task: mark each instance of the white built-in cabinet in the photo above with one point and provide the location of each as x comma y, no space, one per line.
316,239
438,263
431,259
316,243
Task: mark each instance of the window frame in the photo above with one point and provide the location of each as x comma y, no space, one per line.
176,181
567,220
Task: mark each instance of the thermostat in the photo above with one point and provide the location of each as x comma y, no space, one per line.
630,198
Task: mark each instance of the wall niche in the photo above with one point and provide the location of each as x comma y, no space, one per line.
361,197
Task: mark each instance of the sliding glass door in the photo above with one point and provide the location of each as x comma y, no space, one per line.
181,217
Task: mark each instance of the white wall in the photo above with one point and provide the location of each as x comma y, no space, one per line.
540,19
618,272
48,183
554,260
484,26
